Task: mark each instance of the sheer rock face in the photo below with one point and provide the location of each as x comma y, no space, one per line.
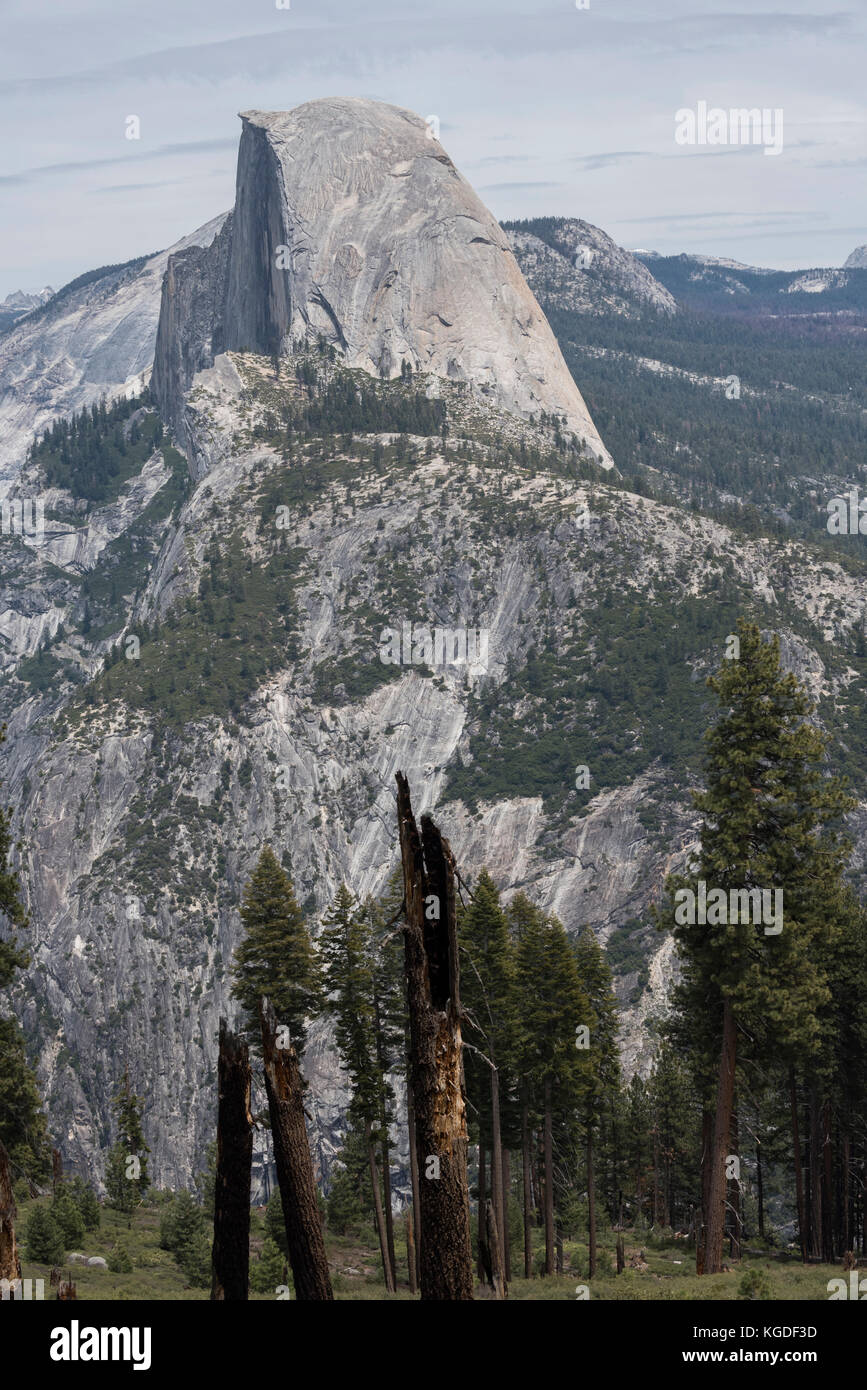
351,222
89,341
857,260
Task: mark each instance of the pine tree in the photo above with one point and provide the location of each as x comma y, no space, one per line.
44,1238
768,825
550,1008
601,1079
487,996
276,958
348,972
68,1217
126,1174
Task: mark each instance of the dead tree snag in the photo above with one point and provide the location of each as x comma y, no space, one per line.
294,1164
230,1260
436,1066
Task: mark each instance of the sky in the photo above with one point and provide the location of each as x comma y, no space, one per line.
547,108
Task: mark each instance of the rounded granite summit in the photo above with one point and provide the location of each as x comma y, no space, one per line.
352,222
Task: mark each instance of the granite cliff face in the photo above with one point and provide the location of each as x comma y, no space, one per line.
857,259
139,836
352,224
94,338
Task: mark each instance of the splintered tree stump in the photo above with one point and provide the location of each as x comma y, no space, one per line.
436,1065
294,1164
230,1260
10,1261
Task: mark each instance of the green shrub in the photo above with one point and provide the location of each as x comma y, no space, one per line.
44,1240
68,1218
119,1260
755,1284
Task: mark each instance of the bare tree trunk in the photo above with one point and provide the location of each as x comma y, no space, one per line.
735,1243
10,1260
701,1222
507,1192
815,1178
482,1261
294,1165
377,1209
799,1172
655,1213
549,1182
496,1154
230,1257
498,1281
526,1195
591,1207
410,1253
715,1218
846,1204
827,1186
386,1198
413,1174
761,1189
433,996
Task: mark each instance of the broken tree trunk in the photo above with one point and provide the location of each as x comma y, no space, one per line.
10,1261
436,1066
294,1164
230,1259
413,1175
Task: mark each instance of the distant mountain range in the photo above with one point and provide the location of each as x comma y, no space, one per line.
19,303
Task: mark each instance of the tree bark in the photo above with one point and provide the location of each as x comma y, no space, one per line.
591,1208
507,1239
845,1193
701,1215
413,1172
526,1195
294,1165
799,1172
827,1186
482,1262
10,1260
715,1218
230,1256
436,1065
815,1178
761,1190
377,1209
549,1182
410,1253
495,1249
735,1243
386,1198
497,1156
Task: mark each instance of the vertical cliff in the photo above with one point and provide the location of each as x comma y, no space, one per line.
352,224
